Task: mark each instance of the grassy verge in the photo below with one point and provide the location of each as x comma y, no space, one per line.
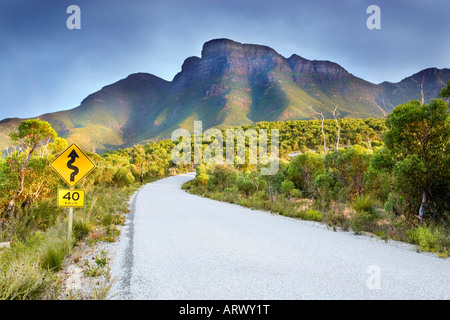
29,268
363,215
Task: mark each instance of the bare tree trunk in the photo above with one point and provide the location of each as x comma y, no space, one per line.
38,191
11,206
270,191
338,128
325,146
323,132
421,86
422,205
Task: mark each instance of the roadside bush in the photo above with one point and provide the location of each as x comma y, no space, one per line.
54,247
81,228
222,177
53,254
287,186
429,238
295,193
365,203
124,177
366,214
395,204
22,279
361,221
310,215
245,185
201,176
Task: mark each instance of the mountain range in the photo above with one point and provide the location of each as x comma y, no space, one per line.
231,84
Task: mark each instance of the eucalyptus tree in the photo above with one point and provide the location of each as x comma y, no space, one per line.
418,140
29,136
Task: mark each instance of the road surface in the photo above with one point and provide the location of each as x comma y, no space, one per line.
181,246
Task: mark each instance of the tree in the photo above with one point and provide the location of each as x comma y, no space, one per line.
245,184
201,176
123,176
349,166
378,178
58,145
324,184
274,181
304,168
418,139
160,160
222,177
445,92
30,134
287,186
257,179
140,161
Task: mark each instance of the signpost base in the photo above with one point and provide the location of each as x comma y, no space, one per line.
69,231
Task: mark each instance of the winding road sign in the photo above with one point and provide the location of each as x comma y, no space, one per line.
72,165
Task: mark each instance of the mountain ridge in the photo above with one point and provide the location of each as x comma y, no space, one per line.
230,84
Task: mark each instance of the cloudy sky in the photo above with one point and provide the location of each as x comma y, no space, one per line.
45,67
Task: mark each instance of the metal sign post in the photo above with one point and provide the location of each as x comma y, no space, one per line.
72,165
69,231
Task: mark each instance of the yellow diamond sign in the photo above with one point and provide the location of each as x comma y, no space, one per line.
72,165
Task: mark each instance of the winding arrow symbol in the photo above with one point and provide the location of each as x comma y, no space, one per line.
73,155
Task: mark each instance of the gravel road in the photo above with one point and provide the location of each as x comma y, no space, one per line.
181,246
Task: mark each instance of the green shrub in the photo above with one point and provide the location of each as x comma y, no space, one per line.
81,228
201,176
187,185
107,219
97,269
366,214
287,186
262,195
101,259
21,280
365,203
245,185
295,193
111,233
53,254
310,215
395,204
429,238
244,203
313,215
124,177
361,221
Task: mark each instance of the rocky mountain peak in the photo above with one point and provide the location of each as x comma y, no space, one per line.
221,57
230,84
221,47
322,68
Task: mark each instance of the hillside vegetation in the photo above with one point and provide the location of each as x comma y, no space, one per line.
389,177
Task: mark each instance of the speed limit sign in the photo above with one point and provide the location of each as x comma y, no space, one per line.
70,198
